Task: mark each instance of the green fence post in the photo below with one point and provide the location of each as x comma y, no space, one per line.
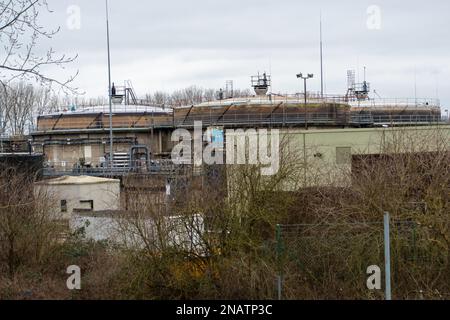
414,242
279,262
387,255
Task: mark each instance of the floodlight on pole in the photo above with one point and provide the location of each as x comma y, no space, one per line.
309,76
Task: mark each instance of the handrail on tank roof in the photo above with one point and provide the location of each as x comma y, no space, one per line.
135,108
272,98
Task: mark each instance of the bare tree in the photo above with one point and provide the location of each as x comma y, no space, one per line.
27,229
21,104
190,96
20,33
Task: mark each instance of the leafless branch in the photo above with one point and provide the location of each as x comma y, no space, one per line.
20,32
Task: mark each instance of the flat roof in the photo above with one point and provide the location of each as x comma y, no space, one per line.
78,180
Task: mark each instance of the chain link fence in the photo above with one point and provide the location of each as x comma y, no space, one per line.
330,261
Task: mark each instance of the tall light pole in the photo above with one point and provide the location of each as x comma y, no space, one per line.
1,131
110,90
1,119
309,76
321,58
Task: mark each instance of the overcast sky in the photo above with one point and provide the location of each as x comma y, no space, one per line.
171,44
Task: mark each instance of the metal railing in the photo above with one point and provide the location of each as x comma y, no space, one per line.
59,168
312,98
262,118
397,103
117,108
274,99
406,119
301,118
103,125
207,119
233,119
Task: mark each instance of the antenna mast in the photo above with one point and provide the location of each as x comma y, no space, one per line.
415,85
111,155
321,57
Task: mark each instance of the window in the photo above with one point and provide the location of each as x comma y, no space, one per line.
64,206
343,155
86,205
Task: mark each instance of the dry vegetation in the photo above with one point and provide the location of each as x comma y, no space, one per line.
328,239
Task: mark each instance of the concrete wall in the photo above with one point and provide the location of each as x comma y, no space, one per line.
326,155
177,231
105,196
68,148
324,151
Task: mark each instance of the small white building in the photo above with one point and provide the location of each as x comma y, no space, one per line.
81,194
184,232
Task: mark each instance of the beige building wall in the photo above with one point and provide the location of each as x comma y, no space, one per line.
325,156
90,194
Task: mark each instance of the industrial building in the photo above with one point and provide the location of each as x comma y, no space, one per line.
77,141
327,133
329,155
82,194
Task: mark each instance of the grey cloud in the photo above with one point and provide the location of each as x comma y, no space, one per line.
164,44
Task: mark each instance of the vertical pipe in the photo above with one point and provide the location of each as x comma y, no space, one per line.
387,255
110,90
